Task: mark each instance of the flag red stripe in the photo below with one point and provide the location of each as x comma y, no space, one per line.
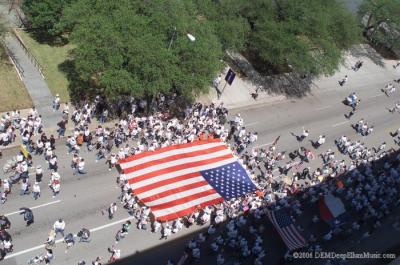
289,234
173,191
166,149
182,200
174,157
288,237
187,211
299,238
179,167
278,229
164,182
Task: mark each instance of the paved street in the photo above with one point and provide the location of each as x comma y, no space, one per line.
83,197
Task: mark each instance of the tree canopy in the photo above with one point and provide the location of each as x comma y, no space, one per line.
44,16
381,21
141,48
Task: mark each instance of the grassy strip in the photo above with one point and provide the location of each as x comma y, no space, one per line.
50,58
12,90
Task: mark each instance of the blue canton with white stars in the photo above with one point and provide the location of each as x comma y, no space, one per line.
282,218
230,180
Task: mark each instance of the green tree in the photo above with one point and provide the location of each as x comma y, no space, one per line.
134,48
381,21
302,36
44,16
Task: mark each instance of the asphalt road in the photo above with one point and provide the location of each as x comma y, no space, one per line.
83,197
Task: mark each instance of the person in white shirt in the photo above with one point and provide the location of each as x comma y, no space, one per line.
59,227
56,102
81,167
166,232
36,190
115,254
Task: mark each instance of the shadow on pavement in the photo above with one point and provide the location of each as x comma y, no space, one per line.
345,238
359,51
291,85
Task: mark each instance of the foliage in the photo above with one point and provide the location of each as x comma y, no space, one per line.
303,37
44,16
141,48
138,48
381,21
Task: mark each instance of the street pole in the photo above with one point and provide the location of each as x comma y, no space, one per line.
222,90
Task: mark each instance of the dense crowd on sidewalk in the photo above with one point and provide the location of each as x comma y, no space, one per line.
236,230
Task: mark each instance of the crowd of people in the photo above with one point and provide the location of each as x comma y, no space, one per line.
236,228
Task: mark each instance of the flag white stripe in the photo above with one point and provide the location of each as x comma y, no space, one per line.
178,162
289,234
281,231
299,239
187,205
181,172
288,237
180,195
169,153
167,187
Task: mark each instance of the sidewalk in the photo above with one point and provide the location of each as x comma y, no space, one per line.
33,80
374,70
238,94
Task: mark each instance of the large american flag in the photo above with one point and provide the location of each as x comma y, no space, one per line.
286,229
176,180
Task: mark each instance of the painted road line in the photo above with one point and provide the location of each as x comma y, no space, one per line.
264,145
324,107
378,95
251,123
35,207
110,224
62,240
340,123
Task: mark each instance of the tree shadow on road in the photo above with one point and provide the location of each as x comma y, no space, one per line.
344,240
291,85
78,89
366,51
